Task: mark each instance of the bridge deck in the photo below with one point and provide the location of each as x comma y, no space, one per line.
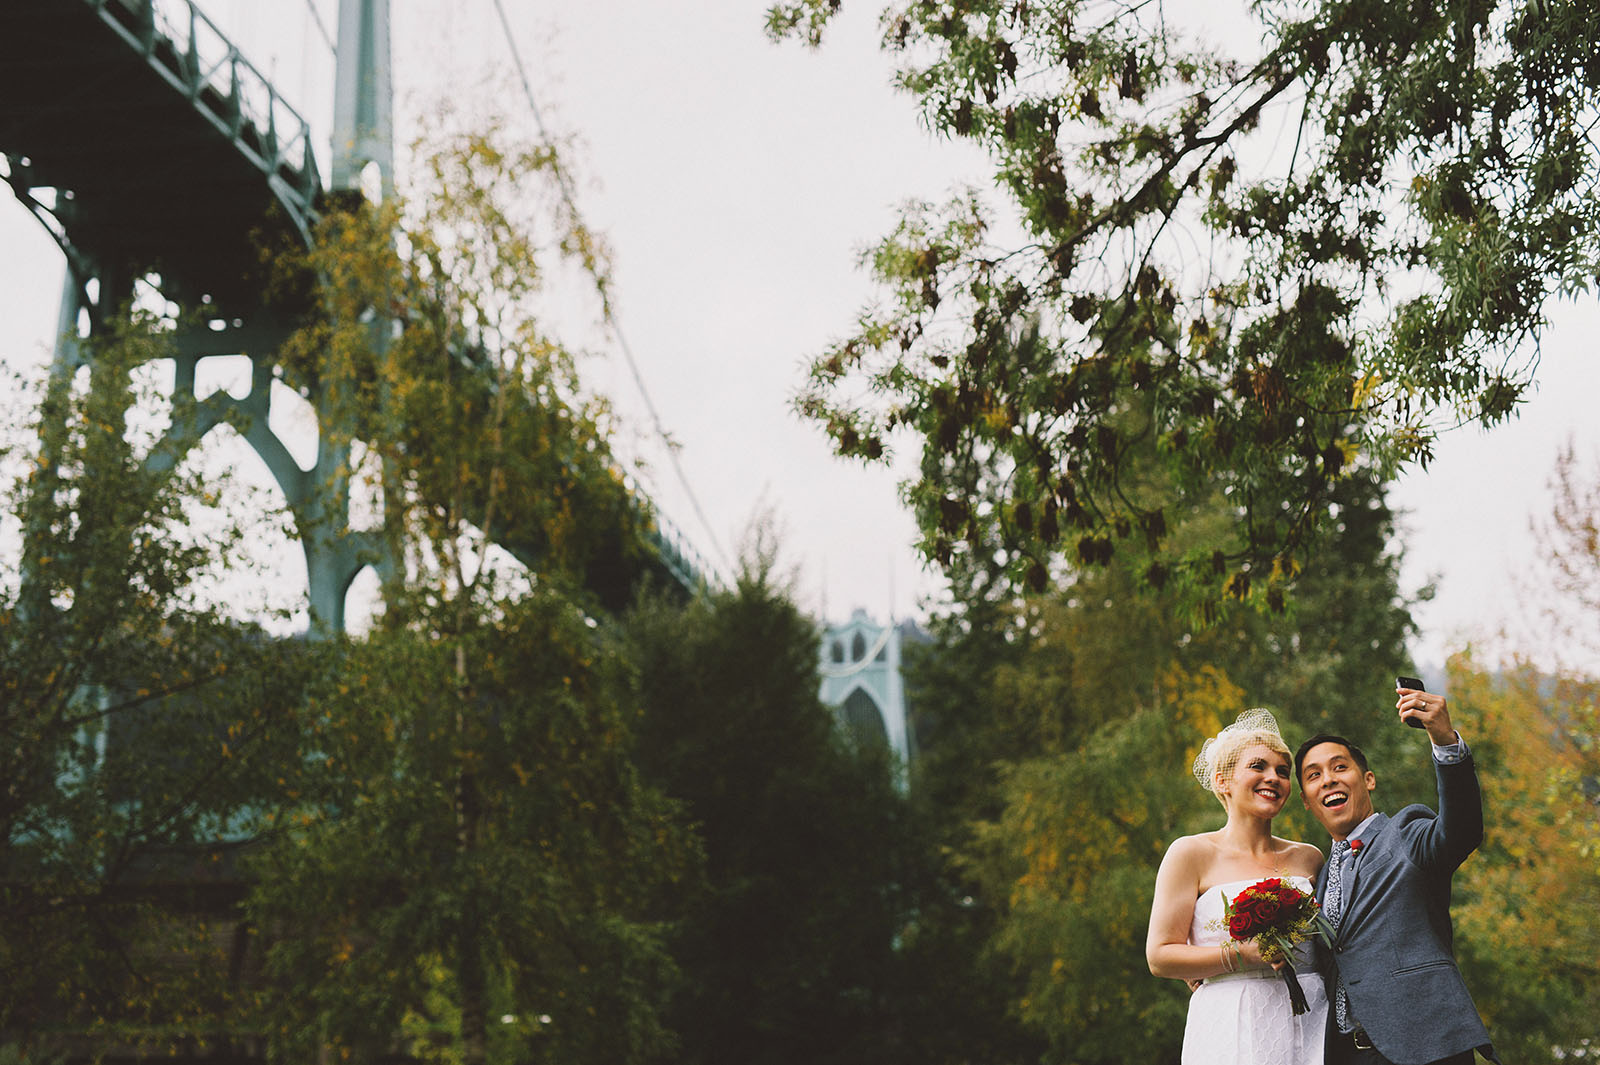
162,144
159,149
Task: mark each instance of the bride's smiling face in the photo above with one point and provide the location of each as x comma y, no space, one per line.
1260,782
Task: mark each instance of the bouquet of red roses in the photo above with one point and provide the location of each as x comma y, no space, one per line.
1277,916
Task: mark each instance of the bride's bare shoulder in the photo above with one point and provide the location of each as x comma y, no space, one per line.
1198,847
1186,864
1301,857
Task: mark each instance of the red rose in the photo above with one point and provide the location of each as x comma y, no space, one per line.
1355,845
1266,908
1241,925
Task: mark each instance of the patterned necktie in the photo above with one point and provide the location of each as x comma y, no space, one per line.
1333,909
1333,903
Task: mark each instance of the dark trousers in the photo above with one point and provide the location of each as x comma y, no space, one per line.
1342,1050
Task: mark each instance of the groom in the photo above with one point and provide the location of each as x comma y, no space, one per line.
1397,996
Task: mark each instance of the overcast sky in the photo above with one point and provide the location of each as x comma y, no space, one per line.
736,181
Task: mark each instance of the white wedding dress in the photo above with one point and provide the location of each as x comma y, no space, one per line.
1244,1018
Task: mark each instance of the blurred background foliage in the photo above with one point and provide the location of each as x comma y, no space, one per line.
510,824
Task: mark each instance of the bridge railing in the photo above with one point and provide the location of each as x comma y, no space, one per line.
190,49
678,554
687,564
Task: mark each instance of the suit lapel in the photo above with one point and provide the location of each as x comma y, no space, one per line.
1352,873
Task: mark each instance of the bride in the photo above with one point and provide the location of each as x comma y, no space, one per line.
1240,1012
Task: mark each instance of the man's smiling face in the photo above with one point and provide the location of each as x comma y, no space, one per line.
1335,788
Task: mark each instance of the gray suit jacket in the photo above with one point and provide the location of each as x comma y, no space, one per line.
1394,944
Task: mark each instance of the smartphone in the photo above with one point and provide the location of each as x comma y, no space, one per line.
1415,684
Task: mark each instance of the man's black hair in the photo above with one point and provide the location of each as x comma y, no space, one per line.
1328,737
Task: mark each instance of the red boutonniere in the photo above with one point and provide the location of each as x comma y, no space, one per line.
1355,846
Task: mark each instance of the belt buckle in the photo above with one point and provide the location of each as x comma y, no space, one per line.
1360,1039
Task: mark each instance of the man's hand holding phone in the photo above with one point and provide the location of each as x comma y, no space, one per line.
1419,709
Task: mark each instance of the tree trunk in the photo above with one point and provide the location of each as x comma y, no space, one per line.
470,977
474,988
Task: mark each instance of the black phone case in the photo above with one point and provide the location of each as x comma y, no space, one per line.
1415,684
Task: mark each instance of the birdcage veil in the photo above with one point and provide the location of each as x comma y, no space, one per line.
1221,752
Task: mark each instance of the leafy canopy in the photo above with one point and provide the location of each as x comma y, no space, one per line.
1269,269
468,856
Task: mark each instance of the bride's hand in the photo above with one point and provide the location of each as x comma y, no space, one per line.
1250,955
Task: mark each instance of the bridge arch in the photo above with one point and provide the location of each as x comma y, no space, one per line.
250,498
864,718
860,677
222,166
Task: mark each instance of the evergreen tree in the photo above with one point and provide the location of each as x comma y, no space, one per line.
788,948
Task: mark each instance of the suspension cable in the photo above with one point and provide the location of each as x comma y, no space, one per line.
322,29
564,182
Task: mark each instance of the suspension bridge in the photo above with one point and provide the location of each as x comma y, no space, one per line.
156,154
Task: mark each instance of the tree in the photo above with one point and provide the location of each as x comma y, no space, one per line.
469,840
1073,858
1103,697
1523,901
449,848
1538,718
1564,578
1271,271
1571,542
136,718
788,946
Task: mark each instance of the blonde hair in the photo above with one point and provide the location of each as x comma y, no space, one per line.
1220,753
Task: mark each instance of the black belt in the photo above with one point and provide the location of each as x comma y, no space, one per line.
1358,1039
